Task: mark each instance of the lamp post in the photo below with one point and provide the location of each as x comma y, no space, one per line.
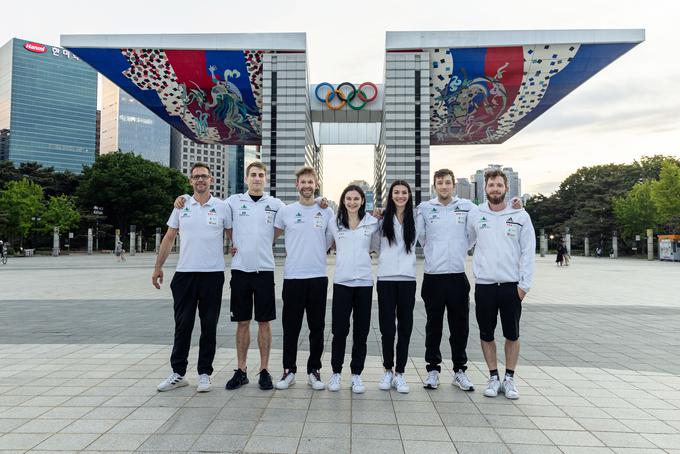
97,211
35,220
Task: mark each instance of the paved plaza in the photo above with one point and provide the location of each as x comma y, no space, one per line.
85,340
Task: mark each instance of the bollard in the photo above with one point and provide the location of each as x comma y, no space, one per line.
139,243
158,240
543,243
567,239
55,242
133,237
89,241
615,247
586,247
650,244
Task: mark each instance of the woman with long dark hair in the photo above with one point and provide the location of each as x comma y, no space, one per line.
352,230
396,282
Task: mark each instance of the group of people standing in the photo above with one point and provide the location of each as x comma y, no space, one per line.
447,227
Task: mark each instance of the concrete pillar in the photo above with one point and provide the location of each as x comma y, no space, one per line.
615,247
543,243
117,237
158,240
650,244
133,238
567,239
586,247
139,243
89,241
55,242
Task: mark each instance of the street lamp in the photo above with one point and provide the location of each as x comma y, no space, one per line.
97,211
35,220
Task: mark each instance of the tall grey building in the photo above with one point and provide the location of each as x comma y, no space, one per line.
185,152
128,126
514,182
464,188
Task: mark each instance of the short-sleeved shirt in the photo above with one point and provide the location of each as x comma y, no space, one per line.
253,234
305,238
201,231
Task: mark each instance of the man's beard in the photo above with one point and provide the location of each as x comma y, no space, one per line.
306,193
494,199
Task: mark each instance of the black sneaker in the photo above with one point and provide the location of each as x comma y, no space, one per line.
239,379
265,380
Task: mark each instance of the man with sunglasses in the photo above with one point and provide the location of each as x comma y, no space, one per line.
199,278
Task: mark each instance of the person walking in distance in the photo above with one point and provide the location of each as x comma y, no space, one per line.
199,277
503,265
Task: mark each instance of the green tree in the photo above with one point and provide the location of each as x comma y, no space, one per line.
131,190
650,166
666,196
636,211
61,212
8,173
583,202
21,200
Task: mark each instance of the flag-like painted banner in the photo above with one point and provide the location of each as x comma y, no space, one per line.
486,95
209,96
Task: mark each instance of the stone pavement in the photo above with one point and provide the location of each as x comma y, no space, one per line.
85,340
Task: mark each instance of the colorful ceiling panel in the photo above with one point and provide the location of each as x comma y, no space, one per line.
210,96
486,95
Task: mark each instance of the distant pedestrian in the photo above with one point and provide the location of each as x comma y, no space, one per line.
119,251
561,252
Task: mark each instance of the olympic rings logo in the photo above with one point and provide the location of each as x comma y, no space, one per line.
346,96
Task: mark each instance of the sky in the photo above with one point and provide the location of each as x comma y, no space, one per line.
628,110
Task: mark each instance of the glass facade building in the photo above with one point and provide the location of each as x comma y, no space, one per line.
128,126
239,157
48,105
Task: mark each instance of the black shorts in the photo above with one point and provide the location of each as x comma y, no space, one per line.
493,298
248,289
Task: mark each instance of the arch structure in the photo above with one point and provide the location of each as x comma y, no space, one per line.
439,88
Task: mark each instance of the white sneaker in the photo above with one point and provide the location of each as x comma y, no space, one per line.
173,381
287,379
432,380
461,379
509,388
315,381
492,386
357,385
204,383
386,382
399,383
334,382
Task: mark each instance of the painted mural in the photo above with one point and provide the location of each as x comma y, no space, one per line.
209,96
486,95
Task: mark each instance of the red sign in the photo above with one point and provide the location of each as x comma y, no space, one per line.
34,47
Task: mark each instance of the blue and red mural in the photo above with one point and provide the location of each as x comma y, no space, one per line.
486,95
209,96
